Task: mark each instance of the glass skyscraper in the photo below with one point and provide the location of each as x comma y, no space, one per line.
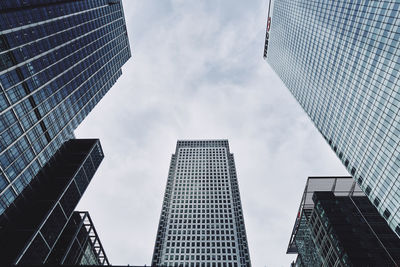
57,60
341,61
201,221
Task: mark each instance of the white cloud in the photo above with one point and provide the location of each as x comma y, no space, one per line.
197,72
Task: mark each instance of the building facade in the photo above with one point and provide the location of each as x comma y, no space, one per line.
39,227
338,226
201,222
79,243
341,61
57,60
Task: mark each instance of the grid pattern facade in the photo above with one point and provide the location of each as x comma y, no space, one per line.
201,222
341,61
57,60
308,255
326,246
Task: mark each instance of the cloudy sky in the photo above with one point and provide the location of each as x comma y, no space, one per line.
197,72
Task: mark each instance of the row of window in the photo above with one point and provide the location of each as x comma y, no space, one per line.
217,225
201,206
214,244
200,250
208,201
200,181
191,235
203,144
201,188
213,191
201,263
211,174
201,164
202,195
201,257
187,217
194,211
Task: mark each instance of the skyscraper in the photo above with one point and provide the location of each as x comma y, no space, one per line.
341,61
337,225
201,222
36,228
57,60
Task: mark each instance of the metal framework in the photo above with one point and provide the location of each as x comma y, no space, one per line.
89,241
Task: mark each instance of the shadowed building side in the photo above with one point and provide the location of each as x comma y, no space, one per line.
31,227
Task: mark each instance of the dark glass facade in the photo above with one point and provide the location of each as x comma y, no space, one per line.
31,227
349,230
201,222
58,58
338,226
341,61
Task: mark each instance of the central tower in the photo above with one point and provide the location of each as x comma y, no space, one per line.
201,221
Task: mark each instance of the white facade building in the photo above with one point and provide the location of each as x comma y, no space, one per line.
201,221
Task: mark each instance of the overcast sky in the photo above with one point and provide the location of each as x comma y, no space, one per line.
197,72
